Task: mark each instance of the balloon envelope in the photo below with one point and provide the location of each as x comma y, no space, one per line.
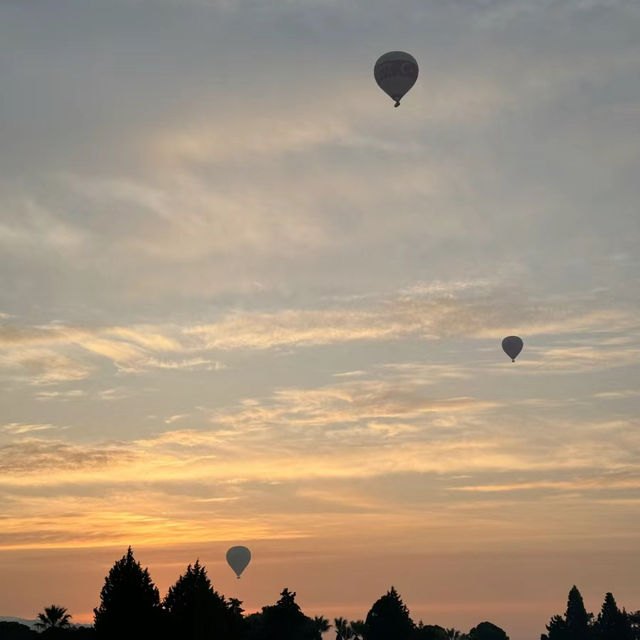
396,72
238,559
512,346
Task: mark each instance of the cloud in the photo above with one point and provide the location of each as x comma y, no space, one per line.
56,353
380,448
43,366
64,396
117,393
261,135
349,403
426,372
187,364
146,336
257,438
33,456
16,428
145,516
36,227
568,338
576,359
617,395
379,426
201,198
410,315
575,484
176,418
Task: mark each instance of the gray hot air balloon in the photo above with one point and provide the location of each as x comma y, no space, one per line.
396,72
238,559
512,346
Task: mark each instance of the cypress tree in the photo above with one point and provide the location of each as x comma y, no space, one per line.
577,618
129,603
612,624
194,609
557,629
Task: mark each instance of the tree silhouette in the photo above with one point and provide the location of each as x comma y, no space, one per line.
389,618
576,617
129,603
358,629
487,631
195,610
321,623
282,621
612,624
634,619
81,633
235,606
343,629
557,629
237,624
53,618
10,630
576,624
430,632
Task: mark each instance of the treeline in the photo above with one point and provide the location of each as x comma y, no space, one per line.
577,624
131,608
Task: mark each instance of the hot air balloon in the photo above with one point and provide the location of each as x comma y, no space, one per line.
512,346
396,72
238,559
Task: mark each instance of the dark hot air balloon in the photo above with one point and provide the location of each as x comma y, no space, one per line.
512,346
396,72
238,559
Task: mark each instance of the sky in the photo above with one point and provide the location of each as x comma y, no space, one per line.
244,300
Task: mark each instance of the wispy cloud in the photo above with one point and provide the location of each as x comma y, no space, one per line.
43,366
617,395
17,428
176,417
33,456
64,396
429,317
378,426
117,393
576,484
186,364
569,338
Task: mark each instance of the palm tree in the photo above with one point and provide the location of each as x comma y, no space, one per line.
358,627
53,618
343,630
321,624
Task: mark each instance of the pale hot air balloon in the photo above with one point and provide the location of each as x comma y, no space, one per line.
512,346
238,558
396,72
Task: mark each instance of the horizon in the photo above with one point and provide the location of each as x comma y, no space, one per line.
338,610
246,301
